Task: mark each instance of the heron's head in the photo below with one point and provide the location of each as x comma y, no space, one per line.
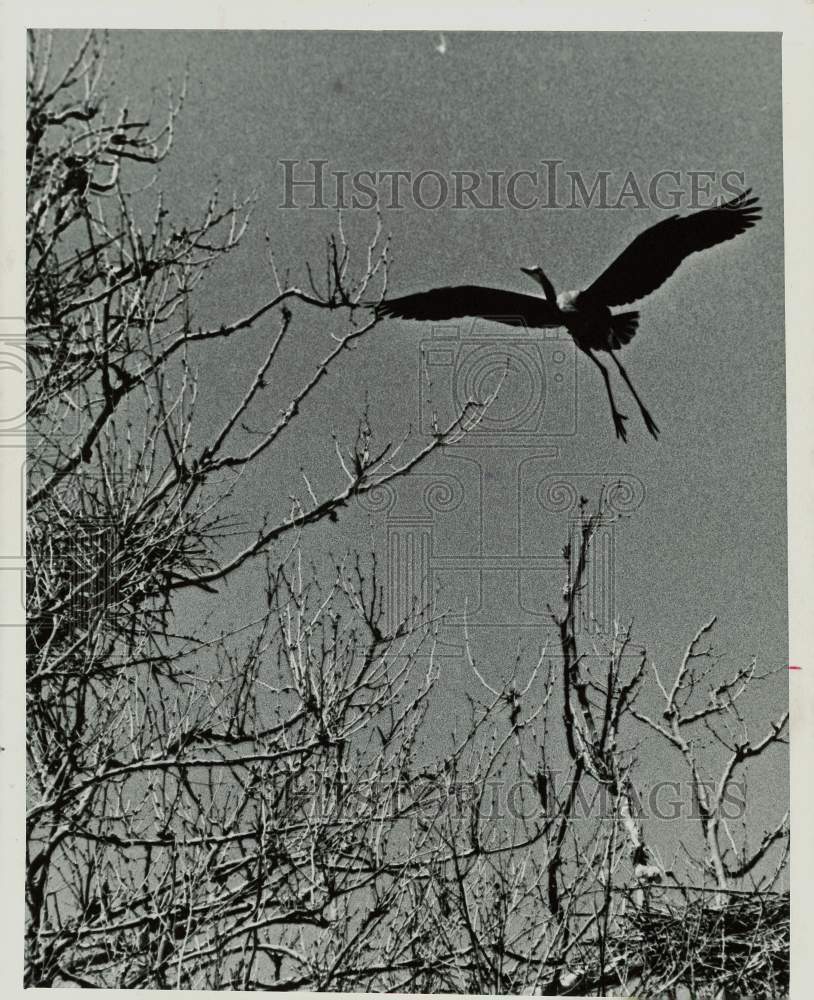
537,273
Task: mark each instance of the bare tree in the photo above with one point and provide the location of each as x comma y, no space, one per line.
706,922
126,509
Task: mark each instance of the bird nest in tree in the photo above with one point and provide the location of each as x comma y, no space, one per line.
740,945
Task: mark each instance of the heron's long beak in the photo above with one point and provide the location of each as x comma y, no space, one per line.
530,271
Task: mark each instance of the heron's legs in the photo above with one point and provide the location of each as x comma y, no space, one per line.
618,418
649,421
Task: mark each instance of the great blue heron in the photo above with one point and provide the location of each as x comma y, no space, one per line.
641,268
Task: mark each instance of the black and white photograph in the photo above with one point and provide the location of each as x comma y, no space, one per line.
397,423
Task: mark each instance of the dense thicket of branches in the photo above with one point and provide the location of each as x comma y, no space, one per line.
261,810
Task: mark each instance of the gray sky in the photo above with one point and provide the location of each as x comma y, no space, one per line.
710,533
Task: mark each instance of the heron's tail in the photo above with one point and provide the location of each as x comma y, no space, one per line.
623,327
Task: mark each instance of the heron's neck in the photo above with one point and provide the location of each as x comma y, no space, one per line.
548,288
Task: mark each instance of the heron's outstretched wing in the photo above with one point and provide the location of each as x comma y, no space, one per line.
653,256
495,304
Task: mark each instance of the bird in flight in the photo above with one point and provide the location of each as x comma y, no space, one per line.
639,270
